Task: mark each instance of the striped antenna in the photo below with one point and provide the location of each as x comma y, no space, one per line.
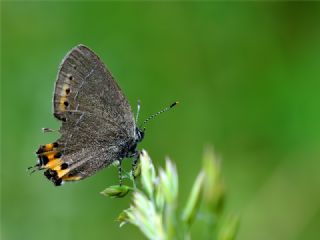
156,114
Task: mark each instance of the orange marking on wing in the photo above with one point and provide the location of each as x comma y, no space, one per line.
70,178
61,173
62,107
50,155
54,164
48,147
64,89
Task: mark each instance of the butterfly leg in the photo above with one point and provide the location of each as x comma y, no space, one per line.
47,130
120,172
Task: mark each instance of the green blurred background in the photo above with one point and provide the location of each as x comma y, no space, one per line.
246,74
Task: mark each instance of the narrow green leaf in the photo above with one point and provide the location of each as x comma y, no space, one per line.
229,229
194,200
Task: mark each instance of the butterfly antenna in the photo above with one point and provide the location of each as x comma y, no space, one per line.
156,114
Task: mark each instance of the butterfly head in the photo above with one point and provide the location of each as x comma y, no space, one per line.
139,134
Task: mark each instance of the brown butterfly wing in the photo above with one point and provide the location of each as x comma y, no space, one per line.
86,89
97,121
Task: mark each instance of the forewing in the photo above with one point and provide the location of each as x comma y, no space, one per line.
89,102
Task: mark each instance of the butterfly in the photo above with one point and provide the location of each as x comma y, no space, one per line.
97,123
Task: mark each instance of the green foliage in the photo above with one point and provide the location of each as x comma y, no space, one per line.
116,191
154,206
